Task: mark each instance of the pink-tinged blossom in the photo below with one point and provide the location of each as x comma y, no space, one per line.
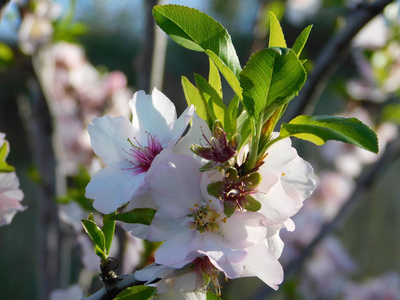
188,281
10,197
325,274
192,223
131,149
286,183
10,194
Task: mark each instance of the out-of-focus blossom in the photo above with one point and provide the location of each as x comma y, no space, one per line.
131,149
297,11
384,287
10,194
73,292
36,27
376,28
77,93
327,271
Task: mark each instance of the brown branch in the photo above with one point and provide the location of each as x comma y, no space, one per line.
109,292
330,57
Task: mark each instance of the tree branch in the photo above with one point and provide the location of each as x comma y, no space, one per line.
331,55
108,292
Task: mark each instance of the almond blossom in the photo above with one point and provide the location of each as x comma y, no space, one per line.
131,149
192,223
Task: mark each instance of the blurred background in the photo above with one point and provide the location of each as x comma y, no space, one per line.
63,63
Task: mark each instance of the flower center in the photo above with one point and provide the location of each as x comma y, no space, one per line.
205,219
236,192
142,157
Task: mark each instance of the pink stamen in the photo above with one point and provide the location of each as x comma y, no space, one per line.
143,156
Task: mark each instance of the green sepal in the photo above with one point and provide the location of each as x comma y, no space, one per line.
231,174
319,129
251,204
208,166
229,208
212,296
137,215
252,179
216,189
137,292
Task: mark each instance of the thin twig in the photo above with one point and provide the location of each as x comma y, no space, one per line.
331,55
107,293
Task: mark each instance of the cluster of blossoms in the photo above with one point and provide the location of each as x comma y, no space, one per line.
212,215
10,194
77,92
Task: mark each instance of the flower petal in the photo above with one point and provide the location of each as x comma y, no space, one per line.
175,185
262,263
109,137
110,188
153,113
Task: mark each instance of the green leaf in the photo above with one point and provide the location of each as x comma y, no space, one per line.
276,39
137,292
212,296
228,74
214,79
108,230
271,78
233,109
217,108
96,235
319,129
137,215
301,40
244,127
193,97
6,56
197,31
5,167
391,113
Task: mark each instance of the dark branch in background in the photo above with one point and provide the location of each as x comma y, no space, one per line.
331,55
144,61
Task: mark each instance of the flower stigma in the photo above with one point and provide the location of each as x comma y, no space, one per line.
143,156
